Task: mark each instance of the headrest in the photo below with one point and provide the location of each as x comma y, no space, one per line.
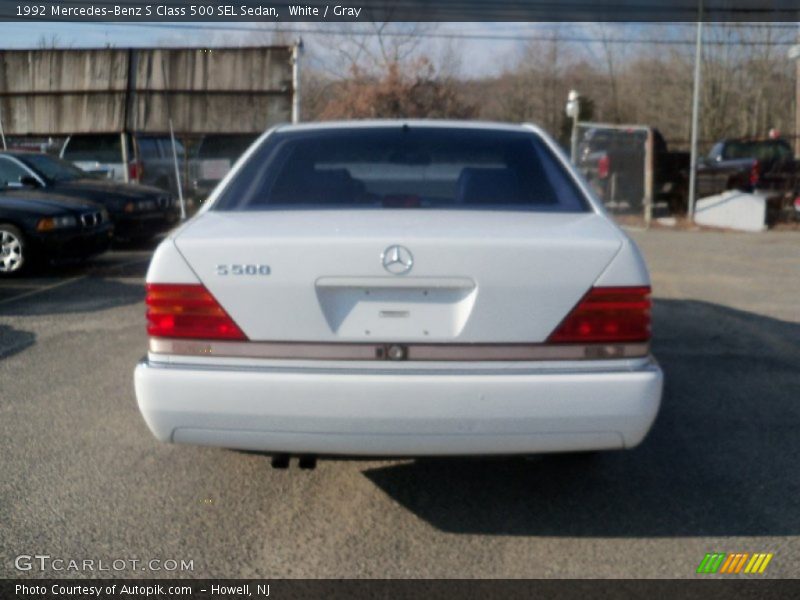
487,186
326,186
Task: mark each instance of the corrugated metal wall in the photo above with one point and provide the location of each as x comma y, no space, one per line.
220,90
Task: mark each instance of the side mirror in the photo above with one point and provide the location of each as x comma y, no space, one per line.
29,181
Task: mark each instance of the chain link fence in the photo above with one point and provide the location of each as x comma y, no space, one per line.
617,162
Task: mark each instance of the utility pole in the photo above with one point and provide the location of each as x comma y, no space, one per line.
177,171
573,111
698,61
2,133
797,110
297,49
794,54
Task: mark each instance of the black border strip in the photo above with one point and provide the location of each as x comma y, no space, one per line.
708,588
403,10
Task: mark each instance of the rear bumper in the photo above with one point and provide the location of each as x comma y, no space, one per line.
453,410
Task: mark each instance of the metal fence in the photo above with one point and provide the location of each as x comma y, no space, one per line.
617,161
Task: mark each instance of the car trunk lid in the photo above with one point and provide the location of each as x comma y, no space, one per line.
344,275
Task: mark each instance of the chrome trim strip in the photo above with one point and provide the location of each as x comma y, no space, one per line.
634,365
413,352
375,283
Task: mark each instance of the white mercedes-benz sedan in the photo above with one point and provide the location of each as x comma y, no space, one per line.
400,288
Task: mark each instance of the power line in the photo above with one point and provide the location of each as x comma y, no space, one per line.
474,36
518,37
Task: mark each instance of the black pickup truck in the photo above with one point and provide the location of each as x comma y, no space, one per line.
766,166
746,165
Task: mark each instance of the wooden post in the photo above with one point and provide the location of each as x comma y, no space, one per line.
297,49
797,110
649,182
177,171
2,132
698,66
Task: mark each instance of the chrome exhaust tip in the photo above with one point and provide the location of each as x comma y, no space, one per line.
307,462
280,461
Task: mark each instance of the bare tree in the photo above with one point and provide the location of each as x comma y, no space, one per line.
536,89
372,47
410,90
612,55
49,42
384,70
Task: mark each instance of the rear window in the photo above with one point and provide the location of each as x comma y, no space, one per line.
148,148
764,151
596,140
52,168
166,148
100,148
403,167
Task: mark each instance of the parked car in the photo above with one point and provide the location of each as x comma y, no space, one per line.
137,211
147,160
399,288
213,159
44,144
36,227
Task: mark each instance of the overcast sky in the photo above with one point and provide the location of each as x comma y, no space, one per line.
476,44
479,56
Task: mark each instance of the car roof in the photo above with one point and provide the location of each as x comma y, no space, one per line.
19,152
747,140
416,123
21,155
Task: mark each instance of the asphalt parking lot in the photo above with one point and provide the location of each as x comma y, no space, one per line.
82,478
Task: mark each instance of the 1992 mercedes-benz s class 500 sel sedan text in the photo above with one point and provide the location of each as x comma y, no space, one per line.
400,289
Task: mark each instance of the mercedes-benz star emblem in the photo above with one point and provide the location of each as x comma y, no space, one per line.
398,260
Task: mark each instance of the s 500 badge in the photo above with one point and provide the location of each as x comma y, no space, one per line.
252,270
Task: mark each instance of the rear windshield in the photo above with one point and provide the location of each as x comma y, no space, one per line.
52,168
763,151
101,148
403,167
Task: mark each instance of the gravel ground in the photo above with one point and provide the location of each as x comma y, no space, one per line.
83,478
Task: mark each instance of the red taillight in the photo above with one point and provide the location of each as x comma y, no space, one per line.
607,314
603,166
755,173
134,170
187,311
